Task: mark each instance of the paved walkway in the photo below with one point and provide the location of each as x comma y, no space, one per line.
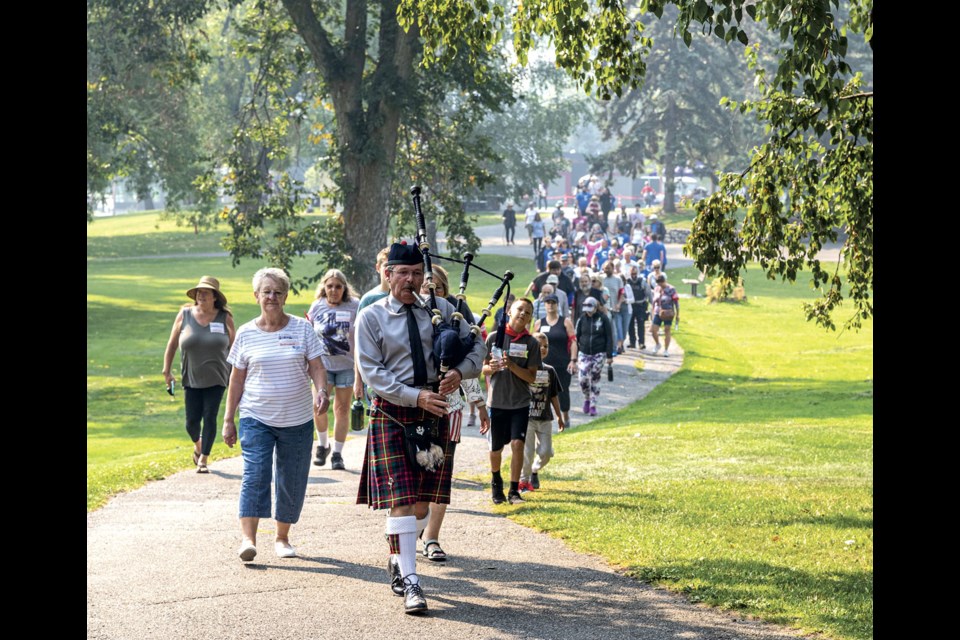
162,563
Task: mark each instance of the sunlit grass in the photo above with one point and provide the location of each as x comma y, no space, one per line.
135,430
746,480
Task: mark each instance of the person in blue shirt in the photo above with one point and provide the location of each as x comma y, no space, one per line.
655,250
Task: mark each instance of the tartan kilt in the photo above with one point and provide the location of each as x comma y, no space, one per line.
388,478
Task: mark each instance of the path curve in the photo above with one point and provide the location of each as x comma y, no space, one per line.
161,562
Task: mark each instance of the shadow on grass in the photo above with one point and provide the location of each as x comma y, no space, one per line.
725,398
840,602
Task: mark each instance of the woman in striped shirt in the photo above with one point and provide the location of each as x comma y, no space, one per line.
275,356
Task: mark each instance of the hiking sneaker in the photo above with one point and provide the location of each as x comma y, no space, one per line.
322,453
336,461
497,492
535,481
514,497
586,406
525,486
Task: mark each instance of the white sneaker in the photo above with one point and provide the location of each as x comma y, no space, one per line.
666,353
472,420
247,551
285,550
656,349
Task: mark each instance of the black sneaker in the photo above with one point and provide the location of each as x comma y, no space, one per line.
393,570
413,601
514,497
321,458
336,461
497,492
534,481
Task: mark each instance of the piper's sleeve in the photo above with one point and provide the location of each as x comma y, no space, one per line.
370,363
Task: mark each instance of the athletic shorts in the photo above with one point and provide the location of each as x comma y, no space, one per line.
507,425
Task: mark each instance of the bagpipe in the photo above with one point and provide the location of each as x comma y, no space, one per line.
449,347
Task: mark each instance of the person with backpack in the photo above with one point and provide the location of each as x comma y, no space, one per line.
666,311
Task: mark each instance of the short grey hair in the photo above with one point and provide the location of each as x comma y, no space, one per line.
277,275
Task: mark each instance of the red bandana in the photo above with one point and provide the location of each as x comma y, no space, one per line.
512,334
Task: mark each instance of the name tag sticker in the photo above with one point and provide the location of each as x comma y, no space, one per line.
543,377
216,327
289,341
518,350
343,316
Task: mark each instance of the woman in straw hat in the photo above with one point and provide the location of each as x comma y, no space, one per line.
204,332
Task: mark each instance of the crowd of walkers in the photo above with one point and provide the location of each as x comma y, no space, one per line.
601,281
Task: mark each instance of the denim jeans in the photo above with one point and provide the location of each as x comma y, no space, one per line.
290,466
615,326
626,314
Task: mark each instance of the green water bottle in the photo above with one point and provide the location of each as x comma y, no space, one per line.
356,416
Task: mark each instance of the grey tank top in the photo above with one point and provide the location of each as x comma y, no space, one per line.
203,351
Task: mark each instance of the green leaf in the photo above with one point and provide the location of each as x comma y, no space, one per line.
742,37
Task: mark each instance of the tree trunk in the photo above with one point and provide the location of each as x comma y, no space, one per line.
368,108
671,124
432,234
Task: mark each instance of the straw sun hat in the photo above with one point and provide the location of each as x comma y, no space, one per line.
208,282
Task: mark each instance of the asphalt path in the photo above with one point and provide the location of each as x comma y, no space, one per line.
162,561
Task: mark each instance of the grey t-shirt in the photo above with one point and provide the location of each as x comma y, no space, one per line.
203,351
335,325
504,389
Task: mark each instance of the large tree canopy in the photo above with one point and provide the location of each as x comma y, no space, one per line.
819,149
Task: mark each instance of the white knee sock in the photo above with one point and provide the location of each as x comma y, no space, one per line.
405,527
422,523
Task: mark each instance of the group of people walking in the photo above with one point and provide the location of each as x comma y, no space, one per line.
280,372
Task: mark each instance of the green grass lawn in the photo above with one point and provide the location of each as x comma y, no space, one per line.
135,430
746,480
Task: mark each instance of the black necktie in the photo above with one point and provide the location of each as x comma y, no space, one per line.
416,349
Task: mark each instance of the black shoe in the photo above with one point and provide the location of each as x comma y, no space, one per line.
396,581
321,458
413,601
514,497
497,492
633,345
535,480
336,461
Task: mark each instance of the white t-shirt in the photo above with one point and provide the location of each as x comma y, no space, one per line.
277,387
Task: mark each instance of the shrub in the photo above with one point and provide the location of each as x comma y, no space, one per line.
722,289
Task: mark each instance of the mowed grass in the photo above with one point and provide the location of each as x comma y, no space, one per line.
135,431
745,481
150,233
